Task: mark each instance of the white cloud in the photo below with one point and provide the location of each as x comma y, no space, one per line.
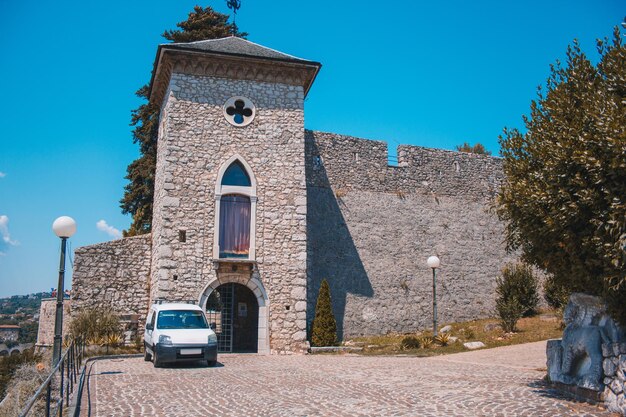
110,230
5,236
2,174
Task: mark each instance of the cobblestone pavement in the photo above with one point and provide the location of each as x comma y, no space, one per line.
496,382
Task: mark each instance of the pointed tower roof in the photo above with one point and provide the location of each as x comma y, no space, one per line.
260,62
236,46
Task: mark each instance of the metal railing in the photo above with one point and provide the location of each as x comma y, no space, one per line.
60,383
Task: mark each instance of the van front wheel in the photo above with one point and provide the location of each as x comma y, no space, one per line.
155,360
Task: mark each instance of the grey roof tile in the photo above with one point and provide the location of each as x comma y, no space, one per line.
235,46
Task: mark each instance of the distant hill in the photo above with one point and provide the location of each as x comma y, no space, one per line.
26,304
23,310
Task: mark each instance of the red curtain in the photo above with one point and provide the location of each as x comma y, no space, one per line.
234,226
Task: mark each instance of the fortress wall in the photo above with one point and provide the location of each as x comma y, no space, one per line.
349,163
47,315
371,228
115,274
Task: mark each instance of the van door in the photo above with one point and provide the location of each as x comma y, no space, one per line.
147,337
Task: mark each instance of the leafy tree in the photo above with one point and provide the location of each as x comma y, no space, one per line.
324,332
555,294
564,198
201,24
478,148
28,331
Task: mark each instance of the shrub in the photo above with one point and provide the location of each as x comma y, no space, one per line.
519,282
442,339
410,342
426,342
24,381
470,334
96,325
510,311
324,329
10,364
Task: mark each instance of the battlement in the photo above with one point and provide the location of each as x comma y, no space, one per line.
349,163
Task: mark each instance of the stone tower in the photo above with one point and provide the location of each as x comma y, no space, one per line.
230,190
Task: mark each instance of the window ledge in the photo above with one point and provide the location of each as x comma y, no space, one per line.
234,261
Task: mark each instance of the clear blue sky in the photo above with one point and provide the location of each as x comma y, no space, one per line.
426,73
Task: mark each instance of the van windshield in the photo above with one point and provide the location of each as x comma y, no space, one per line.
181,319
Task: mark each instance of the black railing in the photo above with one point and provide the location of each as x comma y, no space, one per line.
54,393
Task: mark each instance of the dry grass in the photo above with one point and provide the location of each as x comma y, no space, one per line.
532,329
25,381
99,350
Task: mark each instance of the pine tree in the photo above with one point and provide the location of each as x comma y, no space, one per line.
324,331
201,24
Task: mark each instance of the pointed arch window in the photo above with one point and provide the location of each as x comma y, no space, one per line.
235,195
236,175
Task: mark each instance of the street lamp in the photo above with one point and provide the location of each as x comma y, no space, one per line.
64,227
433,262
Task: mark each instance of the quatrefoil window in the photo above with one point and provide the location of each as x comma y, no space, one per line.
239,111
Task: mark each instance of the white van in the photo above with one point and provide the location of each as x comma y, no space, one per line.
177,332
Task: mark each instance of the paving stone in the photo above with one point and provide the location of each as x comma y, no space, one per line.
490,382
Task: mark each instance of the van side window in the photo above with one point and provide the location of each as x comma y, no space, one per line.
151,320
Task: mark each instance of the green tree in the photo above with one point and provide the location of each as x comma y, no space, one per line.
477,148
564,197
28,331
324,332
201,24
555,294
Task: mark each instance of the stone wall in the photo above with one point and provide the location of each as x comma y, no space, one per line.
114,274
195,141
614,367
372,226
47,312
349,164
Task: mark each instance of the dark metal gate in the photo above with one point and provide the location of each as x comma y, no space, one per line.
233,312
219,311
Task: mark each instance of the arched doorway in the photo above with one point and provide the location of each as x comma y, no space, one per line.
233,312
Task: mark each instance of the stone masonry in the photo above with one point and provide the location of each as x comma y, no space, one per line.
195,140
113,274
325,206
371,227
614,367
47,311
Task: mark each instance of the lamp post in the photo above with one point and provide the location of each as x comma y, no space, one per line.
64,227
433,262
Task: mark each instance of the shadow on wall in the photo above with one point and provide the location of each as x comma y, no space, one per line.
331,252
